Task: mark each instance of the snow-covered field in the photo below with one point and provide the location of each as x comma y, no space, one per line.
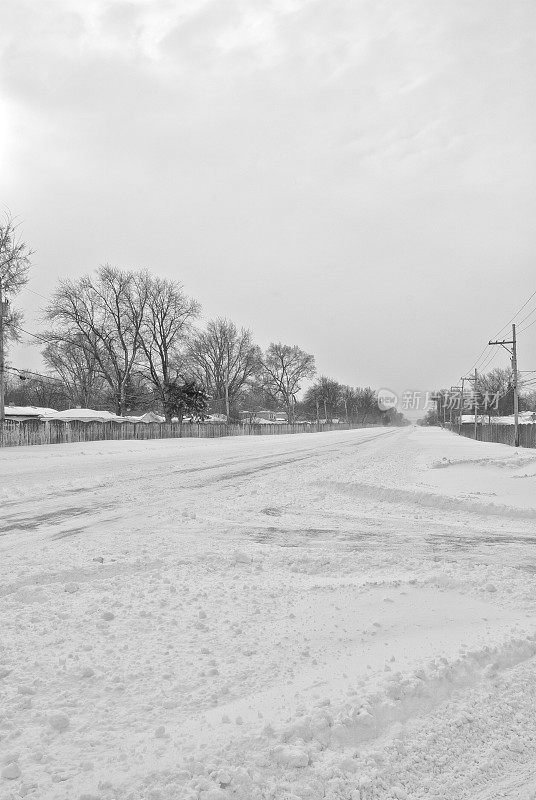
341,615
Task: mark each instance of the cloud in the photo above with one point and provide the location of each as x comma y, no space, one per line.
297,143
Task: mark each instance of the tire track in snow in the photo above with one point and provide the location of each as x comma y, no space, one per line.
311,453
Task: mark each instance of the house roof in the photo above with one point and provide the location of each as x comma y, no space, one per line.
86,415
31,412
150,416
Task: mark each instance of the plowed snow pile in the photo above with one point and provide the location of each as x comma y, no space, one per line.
343,616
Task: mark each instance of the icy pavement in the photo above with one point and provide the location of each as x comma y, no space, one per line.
343,615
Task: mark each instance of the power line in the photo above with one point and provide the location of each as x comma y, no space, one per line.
485,364
525,304
46,339
478,359
521,321
527,326
32,291
489,361
20,372
35,335
483,353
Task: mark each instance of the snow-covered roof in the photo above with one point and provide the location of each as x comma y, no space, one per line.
86,415
28,411
150,416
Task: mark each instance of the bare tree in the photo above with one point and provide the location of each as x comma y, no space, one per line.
105,314
496,393
529,403
14,257
14,267
348,400
254,398
166,327
224,360
78,369
28,389
366,403
324,395
284,368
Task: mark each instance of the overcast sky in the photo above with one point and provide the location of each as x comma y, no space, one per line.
353,176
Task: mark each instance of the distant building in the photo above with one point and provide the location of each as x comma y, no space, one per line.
150,416
264,417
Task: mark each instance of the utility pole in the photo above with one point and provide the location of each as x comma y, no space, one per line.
452,389
475,402
476,405
462,401
514,381
3,309
513,354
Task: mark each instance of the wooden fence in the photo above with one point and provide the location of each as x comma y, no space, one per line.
502,434
30,432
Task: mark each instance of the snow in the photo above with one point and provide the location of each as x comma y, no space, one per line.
525,418
86,415
149,416
344,615
29,411
11,771
71,414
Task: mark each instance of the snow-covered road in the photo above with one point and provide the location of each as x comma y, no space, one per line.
341,615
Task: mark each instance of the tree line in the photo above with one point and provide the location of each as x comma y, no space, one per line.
129,341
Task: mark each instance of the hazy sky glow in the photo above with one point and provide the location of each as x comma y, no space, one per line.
353,176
